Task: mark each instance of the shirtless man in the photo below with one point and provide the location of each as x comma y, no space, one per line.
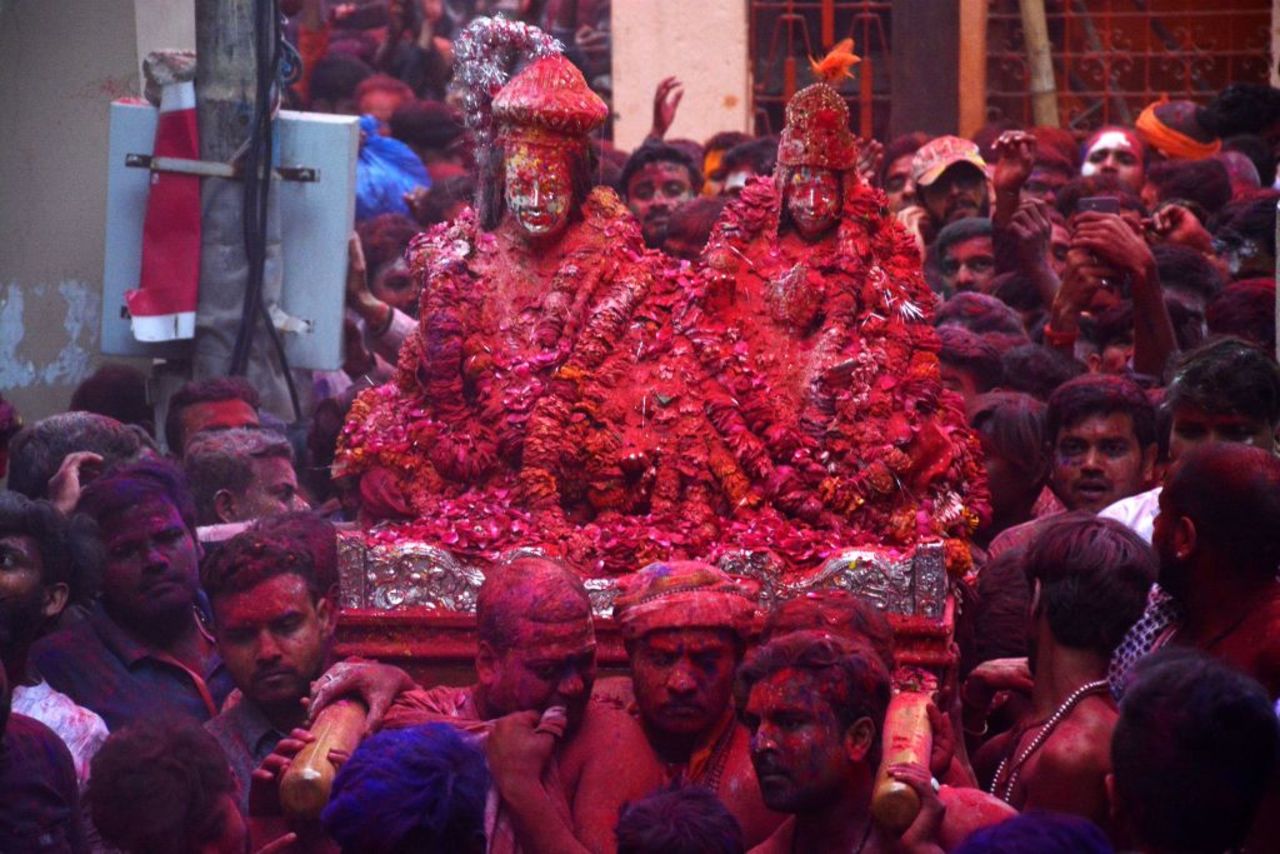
1089,580
686,625
815,706
562,764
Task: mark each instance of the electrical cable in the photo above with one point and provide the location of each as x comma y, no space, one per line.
270,49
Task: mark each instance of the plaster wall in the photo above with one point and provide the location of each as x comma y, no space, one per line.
703,43
61,65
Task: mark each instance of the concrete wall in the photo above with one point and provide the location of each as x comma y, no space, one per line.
61,64
704,43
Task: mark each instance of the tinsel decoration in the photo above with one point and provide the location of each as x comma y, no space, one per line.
486,53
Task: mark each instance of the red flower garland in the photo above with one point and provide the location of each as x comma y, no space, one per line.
629,418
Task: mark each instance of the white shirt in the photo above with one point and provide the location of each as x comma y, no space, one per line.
1137,512
81,730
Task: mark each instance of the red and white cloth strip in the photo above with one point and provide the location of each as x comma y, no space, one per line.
163,307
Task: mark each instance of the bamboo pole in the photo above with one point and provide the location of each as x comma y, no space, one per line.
1044,94
972,95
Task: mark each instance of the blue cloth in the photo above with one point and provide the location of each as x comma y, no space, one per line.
385,171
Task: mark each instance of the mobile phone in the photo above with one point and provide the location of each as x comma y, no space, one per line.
1100,204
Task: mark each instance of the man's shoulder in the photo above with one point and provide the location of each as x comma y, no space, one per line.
67,649
607,736
1081,745
1258,639
52,707
450,703
968,810
604,720
33,744
228,725
781,840
1137,512
75,636
1017,536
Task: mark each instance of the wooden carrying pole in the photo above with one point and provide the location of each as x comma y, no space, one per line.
1044,93
907,740
305,787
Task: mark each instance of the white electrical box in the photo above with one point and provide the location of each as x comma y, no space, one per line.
316,218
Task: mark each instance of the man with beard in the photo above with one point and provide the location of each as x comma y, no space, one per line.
562,765
950,180
1089,579
274,617
686,625
1218,537
142,651
656,180
45,563
815,706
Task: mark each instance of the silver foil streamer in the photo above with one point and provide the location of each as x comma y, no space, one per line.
486,53
417,575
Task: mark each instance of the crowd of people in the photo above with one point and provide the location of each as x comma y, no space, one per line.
1104,307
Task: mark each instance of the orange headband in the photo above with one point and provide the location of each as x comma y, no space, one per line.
1169,141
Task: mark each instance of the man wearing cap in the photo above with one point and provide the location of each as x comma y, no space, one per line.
950,178
685,625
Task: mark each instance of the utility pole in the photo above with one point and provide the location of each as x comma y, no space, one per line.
226,92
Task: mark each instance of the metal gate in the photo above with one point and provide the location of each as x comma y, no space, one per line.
1113,57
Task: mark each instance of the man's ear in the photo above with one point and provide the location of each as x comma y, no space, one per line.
1185,538
54,599
1149,464
1033,604
488,663
224,506
327,613
1114,806
1093,362
859,739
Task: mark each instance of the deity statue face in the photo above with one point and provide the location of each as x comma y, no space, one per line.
813,198
539,190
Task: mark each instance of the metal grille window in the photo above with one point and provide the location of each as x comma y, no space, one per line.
785,33
1113,57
